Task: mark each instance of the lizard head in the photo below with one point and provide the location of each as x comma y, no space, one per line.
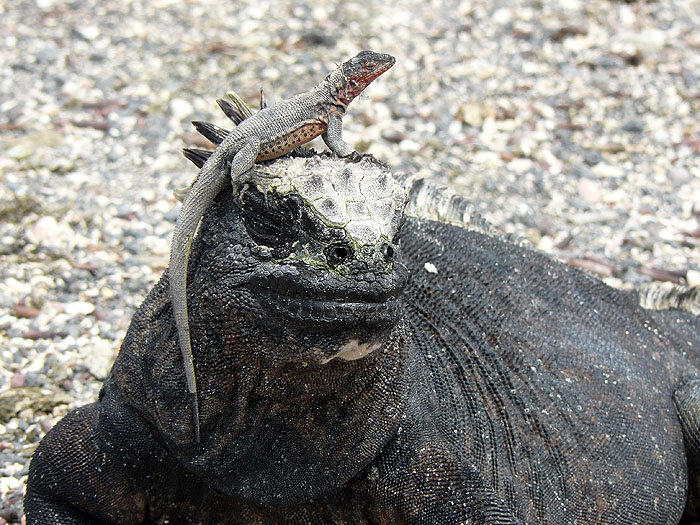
356,74
310,259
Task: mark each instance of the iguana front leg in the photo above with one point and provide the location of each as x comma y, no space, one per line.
201,194
423,479
74,479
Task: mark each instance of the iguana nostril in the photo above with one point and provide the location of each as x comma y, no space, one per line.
388,252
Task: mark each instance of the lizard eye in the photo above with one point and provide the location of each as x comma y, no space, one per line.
270,221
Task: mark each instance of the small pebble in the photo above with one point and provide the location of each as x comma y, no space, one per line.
46,424
592,157
633,126
590,190
17,380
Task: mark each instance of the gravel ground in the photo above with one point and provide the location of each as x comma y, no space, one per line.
573,124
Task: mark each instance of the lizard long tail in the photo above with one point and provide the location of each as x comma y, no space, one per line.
198,199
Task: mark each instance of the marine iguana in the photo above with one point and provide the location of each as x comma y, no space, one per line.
358,365
269,134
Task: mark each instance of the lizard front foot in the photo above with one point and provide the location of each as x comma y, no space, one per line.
357,157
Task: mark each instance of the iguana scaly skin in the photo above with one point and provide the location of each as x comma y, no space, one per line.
269,134
355,368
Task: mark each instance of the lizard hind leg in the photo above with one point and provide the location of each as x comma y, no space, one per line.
687,401
242,163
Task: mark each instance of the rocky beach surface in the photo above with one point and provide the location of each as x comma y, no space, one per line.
574,125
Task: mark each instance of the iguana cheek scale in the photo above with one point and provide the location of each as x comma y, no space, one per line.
268,134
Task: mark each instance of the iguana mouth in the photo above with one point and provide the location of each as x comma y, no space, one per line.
326,305
326,311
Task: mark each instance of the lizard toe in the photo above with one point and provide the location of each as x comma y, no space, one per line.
357,157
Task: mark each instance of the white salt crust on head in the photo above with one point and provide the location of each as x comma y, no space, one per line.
362,198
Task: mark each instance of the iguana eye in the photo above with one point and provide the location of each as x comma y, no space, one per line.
338,253
270,221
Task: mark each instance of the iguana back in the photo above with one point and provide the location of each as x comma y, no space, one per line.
554,387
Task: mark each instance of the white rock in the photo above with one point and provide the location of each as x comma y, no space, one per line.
49,231
430,268
607,170
180,108
89,32
79,308
472,114
99,356
693,277
649,40
502,16
8,483
589,190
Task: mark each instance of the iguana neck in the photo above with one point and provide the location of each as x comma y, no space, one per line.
271,432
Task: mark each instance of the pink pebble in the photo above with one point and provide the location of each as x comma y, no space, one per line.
17,380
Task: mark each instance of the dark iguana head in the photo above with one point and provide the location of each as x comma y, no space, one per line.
300,351
353,76
312,260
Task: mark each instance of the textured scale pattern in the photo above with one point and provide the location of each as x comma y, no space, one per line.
302,135
362,198
512,389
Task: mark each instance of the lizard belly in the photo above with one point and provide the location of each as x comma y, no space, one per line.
286,143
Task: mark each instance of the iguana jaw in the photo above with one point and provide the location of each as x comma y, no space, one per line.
330,301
